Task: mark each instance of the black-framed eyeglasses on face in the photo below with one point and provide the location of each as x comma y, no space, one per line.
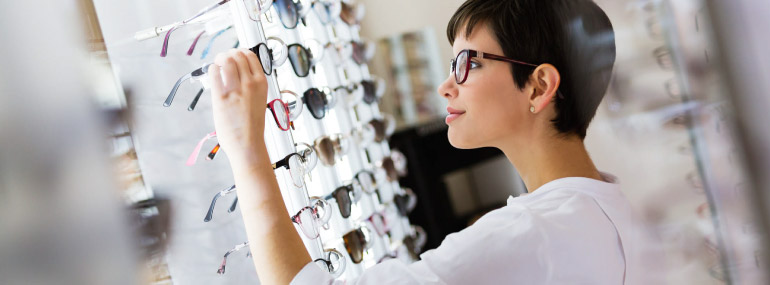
461,65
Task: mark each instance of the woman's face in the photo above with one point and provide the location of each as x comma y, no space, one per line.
490,108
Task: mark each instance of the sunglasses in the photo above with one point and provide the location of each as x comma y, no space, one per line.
309,220
302,59
405,202
356,242
460,66
330,147
416,241
362,51
394,165
237,248
351,14
345,197
318,101
333,262
383,128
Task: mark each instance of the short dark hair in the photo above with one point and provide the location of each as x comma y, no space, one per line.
575,36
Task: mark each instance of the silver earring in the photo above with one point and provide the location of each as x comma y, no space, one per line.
532,109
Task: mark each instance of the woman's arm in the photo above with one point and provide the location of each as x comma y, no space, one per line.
239,99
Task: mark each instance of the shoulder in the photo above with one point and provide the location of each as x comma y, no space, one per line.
537,239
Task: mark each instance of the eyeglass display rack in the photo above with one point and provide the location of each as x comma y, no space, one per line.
342,118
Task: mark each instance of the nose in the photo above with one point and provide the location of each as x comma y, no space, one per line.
448,88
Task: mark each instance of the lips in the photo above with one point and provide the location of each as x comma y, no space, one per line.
453,114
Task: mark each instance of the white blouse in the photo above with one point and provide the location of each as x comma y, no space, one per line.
569,231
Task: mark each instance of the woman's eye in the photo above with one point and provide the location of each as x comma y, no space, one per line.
474,65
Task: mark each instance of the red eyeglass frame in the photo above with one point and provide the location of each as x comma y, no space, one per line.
474,53
275,116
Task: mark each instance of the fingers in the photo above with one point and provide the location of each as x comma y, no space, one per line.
254,63
229,70
242,62
215,78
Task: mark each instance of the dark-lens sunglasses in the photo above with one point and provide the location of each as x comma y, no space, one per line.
356,242
302,60
345,196
319,101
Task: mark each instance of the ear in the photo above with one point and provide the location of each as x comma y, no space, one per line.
545,81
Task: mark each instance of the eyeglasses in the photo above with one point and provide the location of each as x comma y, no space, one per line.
460,65
226,191
331,147
367,181
285,113
237,248
405,202
205,52
363,135
194,43
308,218
345,197
173,27
264,54
293,163
298,163
323,10
211,41
333,262
394,165
193,158
356,242
318,101
378,223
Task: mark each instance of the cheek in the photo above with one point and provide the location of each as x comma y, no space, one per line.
494,112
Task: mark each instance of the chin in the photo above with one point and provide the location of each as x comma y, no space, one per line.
459,140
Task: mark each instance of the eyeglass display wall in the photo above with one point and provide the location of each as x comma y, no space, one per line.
325,135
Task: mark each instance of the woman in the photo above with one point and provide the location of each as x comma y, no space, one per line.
527,79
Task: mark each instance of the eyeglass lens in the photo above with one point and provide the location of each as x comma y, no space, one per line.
300,60
287,11
355,243
316,102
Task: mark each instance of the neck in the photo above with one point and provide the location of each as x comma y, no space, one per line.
548,158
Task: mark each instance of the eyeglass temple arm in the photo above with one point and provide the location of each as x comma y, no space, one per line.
502,58
195,100
210,213
232,207
171,95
